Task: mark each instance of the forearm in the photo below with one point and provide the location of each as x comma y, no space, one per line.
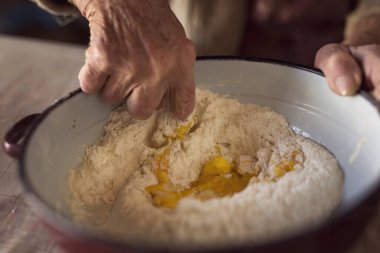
363,25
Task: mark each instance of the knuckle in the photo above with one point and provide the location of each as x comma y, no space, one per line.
104,53
104,63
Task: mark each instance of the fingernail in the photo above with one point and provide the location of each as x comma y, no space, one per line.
345,85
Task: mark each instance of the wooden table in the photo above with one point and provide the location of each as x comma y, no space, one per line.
32,75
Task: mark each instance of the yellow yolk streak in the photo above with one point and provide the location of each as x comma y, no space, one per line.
283,167
182,131
287,165
218,178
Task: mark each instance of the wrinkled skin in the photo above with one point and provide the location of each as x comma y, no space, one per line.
138,51
355,63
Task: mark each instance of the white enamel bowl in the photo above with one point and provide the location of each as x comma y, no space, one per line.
348,126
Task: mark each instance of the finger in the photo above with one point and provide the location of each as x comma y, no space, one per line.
182,97
91,80
116,90
369,58
144,99
342,72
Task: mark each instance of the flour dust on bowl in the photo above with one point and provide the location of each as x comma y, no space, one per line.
346,126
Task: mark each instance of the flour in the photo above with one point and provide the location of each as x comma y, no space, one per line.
296,182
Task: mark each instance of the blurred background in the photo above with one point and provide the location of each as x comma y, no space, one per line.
294,39
24,18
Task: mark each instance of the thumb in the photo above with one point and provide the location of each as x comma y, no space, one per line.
342,72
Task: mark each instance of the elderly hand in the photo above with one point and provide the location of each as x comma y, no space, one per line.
355,62
138,51
347,67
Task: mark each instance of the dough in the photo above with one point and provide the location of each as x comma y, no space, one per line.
284,182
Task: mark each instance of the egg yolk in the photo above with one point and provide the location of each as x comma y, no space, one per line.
218,178
182,131
286,165
283,167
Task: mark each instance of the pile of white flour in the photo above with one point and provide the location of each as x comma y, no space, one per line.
107,190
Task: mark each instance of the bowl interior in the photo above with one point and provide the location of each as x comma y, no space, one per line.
347,126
